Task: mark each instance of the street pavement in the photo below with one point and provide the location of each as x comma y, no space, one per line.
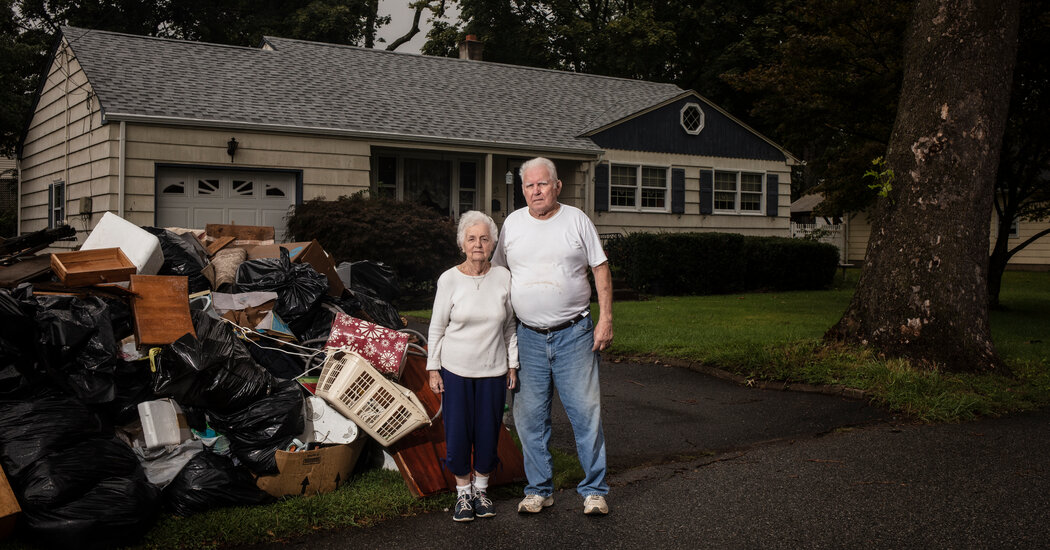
698,461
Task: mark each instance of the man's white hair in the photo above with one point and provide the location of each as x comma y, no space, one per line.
471,218
552,172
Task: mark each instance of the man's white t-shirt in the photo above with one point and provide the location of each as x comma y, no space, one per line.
548,261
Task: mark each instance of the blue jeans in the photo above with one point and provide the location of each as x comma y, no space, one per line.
561,360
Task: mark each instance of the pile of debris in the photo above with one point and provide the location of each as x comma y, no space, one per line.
183,370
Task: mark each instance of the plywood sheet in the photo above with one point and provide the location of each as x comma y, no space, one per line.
25,270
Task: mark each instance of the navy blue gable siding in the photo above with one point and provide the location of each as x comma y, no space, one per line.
660,131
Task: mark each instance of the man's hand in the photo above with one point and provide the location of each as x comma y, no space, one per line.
512,378
603,334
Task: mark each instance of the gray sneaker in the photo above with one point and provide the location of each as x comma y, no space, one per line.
464,510
534,503
595,505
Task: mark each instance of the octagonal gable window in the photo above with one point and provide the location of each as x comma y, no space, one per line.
692,118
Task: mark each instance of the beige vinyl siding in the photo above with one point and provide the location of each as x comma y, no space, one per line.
692,220
1035,255
66,141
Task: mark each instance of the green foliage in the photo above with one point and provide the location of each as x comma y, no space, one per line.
416,241
718,263
883,176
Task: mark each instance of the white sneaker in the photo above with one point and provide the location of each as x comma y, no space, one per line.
534,503
595,505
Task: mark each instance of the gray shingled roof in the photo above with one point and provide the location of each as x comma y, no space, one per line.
312,86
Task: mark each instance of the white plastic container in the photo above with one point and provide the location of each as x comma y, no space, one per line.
160,425
139,245
324,424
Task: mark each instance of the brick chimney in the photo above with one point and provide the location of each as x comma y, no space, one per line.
471,48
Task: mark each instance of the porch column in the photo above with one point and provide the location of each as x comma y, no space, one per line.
486,196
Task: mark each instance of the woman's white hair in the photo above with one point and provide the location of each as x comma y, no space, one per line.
552,172
471,218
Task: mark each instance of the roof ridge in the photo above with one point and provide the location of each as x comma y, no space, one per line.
458,60
86,31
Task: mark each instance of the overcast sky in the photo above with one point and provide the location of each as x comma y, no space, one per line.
401,21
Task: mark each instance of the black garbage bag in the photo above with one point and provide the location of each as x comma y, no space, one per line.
116,512
278,363
213,371
78,344
63,476
208,481
381,312
183,255
263,427
33,429
377,276
299,287
20,369
134,384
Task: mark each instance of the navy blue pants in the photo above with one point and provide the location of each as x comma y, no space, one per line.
473,414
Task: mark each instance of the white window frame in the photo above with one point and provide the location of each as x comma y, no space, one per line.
638,170
738,193
56,201
681,118
1015,230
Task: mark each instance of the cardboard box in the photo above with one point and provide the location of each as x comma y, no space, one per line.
312,472
304,253
9,508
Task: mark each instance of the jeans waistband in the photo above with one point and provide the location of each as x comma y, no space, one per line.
558,327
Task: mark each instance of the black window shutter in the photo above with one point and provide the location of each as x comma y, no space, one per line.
772,195
677,191
707,191
601,188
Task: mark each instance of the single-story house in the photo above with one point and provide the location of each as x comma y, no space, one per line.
178,133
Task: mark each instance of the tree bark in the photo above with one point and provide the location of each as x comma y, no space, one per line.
923,290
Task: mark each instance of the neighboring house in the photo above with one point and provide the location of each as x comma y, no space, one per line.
1034,257
178,133
826,229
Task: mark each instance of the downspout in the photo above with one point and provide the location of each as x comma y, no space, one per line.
65,95
120,167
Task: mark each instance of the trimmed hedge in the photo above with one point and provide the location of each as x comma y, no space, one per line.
417,242
720,263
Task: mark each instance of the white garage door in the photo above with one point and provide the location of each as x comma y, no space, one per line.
195,197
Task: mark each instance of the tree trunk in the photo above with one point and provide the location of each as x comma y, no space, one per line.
923,288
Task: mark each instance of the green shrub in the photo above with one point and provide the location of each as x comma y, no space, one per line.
414,240
720,263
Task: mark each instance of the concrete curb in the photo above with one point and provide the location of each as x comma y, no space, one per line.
834,389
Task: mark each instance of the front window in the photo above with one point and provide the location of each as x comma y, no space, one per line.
449,184
740,192
639,188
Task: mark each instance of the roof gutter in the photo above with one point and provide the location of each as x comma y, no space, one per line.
339,132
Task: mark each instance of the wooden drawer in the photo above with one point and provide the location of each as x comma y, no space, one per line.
89,267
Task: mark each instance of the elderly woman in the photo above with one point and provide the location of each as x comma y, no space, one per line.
473,359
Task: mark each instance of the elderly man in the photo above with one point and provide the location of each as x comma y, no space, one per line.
548,248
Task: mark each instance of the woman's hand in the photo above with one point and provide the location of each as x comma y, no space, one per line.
512,378
436,384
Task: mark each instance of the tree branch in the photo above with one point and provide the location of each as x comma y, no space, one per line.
1027,242
411,32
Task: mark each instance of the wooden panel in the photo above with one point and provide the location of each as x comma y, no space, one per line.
418,455
25,270
161,309
246,234
90,267
219,244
